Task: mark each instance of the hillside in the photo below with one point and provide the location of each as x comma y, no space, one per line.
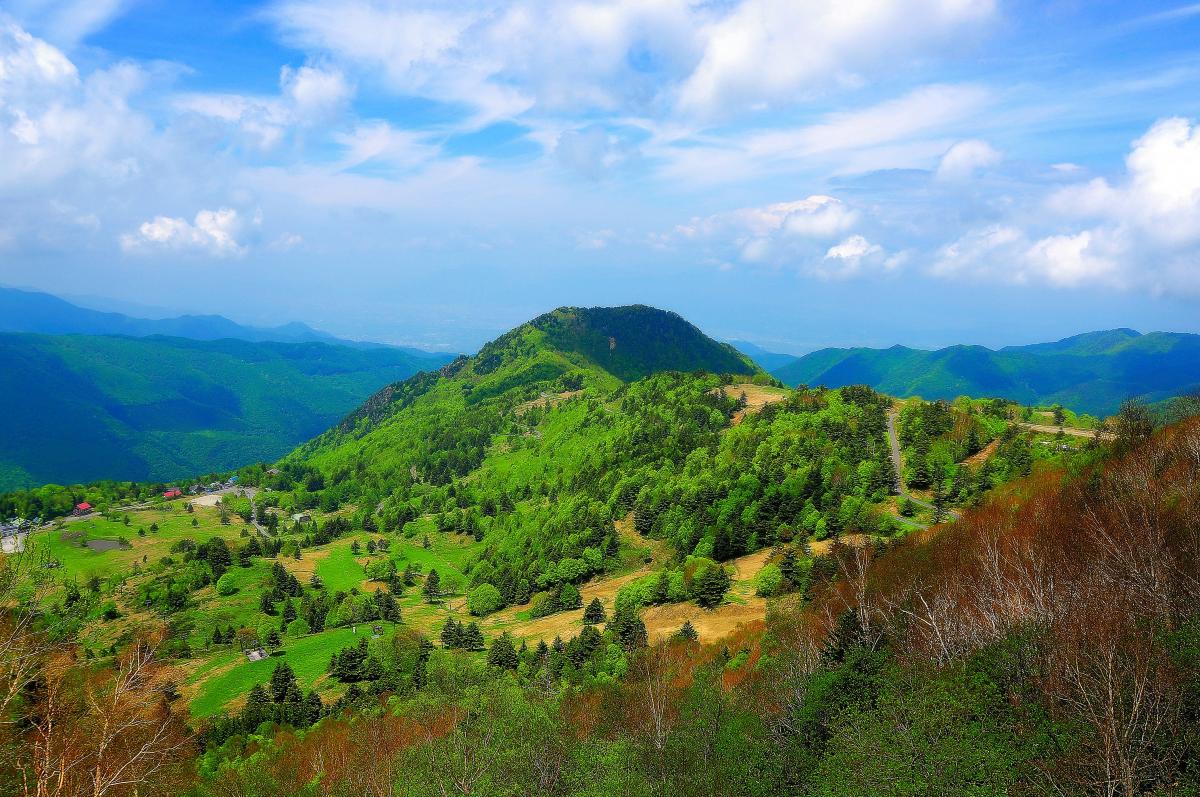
1091,373
76,408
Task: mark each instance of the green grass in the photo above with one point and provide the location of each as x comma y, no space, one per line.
339,570
308,656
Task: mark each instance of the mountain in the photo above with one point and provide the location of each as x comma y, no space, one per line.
767,360
80,407
566,350
1093,372
30,311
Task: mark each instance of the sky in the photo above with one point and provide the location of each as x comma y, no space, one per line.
795,173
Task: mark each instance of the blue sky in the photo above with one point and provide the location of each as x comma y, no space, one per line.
797,173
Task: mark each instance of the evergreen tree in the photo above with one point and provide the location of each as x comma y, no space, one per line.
688,631
451,635
266,604
594,613
472,638
283,680
289,611
433,587
502,653
710,586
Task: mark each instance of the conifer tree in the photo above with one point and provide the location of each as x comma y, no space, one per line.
451,635
433,587
688,631
502,653
594,613
472,638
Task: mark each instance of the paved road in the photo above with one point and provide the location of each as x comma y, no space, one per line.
894,444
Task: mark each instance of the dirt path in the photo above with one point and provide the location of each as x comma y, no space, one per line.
1088,433
982,455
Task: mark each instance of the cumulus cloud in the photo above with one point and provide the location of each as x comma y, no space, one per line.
966,158
848,258
213,232
784,232
1141,231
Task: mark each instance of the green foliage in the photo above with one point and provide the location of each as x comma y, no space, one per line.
75,408
483,600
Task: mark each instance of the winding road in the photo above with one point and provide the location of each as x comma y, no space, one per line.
894,444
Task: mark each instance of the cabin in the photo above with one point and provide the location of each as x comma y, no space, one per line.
255,654
82,508
172,493
301,517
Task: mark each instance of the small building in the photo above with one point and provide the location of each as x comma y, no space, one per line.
255,654
272,471
172,493
301,517
82,508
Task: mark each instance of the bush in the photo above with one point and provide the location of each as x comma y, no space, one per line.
297,627
226,585
767,582
484,600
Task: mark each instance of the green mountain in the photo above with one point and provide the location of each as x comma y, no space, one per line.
1092,373
76,408
568,349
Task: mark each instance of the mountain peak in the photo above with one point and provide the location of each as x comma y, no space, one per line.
633,341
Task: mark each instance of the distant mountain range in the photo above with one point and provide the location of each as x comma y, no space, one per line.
767,360
31,311
1093,372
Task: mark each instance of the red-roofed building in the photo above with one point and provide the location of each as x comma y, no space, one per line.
174,492
82,508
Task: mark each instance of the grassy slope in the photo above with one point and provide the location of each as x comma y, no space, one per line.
1090,373
76,408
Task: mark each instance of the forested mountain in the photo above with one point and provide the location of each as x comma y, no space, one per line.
30,311
76,408
1092,373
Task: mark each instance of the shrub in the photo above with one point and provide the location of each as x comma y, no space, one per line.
226,585
767,582
297,627
484,600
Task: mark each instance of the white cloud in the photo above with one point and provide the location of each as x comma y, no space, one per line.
965,158
771,52
67,22
847,258
214,232
307,96
817,216
649,57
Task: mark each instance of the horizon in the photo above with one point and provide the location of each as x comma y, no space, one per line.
928,173
105,305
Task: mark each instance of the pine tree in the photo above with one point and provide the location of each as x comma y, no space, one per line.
433,587
266,604
503,654
688,631
594,613
451,635
472,638
283,680
289,611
